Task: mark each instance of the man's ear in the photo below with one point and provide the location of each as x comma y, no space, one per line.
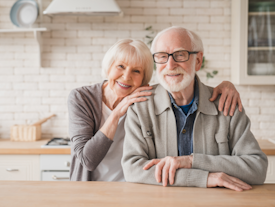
199,59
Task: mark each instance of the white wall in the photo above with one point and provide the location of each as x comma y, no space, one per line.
74,48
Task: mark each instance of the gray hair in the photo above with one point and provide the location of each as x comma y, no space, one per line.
129,50
196,41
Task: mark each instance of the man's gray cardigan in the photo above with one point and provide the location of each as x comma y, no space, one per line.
220,143
89,145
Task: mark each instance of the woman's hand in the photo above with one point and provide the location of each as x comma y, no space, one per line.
229,97
110,125
134,97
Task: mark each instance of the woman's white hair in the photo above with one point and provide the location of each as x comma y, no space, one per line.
196,41
131,51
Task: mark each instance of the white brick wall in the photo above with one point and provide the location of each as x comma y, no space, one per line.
74,47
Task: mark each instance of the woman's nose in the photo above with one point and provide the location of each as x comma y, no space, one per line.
127,75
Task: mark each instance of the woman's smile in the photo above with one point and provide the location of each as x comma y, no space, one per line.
123,86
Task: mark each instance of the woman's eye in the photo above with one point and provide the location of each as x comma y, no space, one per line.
137,71
120,66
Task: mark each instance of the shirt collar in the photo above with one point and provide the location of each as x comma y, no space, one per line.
194,106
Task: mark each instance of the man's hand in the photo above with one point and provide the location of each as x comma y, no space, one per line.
229,97
166,167
224,180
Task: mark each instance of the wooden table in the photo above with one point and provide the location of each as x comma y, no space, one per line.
78,194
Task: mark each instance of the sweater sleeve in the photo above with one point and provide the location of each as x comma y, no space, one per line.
89,146
245,161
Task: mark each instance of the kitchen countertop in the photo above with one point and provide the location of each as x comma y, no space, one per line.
31,148
8,147
71,194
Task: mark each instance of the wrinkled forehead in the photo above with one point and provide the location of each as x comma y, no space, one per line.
172,41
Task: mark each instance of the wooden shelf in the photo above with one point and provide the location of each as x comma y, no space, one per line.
260,13
261,48
37,36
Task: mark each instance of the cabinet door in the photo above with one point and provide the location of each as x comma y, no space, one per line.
252,42
19,167
270,175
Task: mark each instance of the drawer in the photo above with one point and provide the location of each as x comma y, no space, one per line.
14,172
55,176
55,162
19,167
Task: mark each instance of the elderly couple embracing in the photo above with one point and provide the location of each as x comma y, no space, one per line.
175,133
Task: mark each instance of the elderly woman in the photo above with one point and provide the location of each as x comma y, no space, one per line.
97,112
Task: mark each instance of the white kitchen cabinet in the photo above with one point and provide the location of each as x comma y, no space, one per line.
270,176
55,167
253,42
19,167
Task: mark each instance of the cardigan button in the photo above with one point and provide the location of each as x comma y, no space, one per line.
184,131
148,133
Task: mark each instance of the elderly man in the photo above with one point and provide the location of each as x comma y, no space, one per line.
180,138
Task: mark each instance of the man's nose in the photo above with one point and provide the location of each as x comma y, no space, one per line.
171,63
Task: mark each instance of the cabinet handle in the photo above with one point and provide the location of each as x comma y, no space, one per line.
60,178
11,170
67,164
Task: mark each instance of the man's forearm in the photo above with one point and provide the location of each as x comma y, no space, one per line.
248,168
133,172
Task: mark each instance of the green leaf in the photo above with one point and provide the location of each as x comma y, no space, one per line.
203,63
150,41
148,28
148,37
215,72
208,75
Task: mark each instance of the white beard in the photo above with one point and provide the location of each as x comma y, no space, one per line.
174,86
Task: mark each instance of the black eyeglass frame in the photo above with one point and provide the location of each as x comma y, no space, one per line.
172,54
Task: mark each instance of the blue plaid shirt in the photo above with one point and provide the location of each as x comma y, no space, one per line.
185,123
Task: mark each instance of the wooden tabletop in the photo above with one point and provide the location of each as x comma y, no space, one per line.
267,147
30,148
80,194
8,147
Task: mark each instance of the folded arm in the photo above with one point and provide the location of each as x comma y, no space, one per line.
246,161
139,151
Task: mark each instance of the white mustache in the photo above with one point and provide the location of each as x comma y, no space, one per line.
176,71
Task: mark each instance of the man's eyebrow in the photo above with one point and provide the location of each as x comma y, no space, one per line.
179,49
176,50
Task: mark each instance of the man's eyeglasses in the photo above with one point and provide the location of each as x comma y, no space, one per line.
178,56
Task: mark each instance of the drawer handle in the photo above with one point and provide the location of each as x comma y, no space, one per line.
67,164
11,170
60,178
